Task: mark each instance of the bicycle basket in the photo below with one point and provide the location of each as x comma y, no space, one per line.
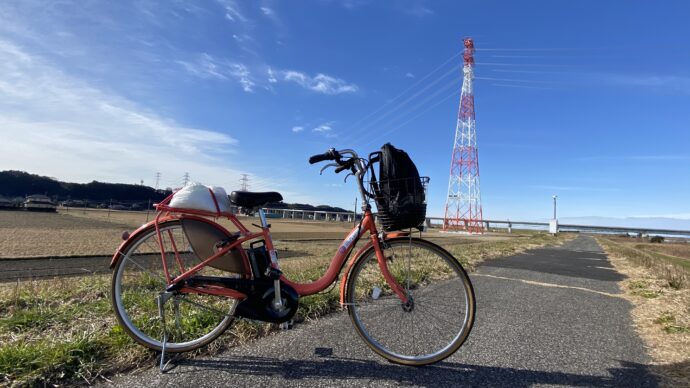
401,203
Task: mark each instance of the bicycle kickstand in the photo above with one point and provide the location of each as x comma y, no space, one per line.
162,298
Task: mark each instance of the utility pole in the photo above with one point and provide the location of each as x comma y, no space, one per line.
553,225
354,216
186,179
245,182
158,179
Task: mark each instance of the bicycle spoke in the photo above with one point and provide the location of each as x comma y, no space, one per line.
160,278
428,312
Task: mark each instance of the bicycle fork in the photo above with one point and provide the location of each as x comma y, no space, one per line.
383,266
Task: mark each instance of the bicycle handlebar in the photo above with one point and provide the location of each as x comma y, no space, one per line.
331,154
351,162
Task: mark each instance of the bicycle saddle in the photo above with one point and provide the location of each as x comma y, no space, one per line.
251,200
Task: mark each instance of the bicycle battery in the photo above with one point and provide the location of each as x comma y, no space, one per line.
204,240
258,258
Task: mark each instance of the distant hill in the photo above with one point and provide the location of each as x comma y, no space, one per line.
20,184
15,184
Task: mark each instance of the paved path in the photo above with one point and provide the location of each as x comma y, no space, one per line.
12,270
548,317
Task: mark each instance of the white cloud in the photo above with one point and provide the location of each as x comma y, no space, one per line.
271,76
242,38
409,75
232,11
417,10
55,124
672,83
267,11
297,129
208,67
323,128
320,83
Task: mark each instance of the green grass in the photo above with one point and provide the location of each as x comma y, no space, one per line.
674,329
639,287
668,321
665,318
63,330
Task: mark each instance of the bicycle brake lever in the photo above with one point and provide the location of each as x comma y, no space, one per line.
347,176
326,166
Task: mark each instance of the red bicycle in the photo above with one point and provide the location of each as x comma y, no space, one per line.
181,280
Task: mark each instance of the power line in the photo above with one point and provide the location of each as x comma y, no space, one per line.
400,105
398,127
404,91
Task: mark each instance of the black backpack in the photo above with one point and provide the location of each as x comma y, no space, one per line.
399,191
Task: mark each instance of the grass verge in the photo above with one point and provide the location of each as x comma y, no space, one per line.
63,331
660,294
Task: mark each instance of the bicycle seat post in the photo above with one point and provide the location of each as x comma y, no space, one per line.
277,300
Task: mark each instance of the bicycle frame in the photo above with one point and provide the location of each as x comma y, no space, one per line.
303,289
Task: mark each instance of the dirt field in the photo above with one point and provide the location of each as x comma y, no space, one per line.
78,232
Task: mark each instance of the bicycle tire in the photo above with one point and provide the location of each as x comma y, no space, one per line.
137,312
373,313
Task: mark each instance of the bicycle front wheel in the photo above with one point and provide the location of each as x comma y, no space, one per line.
152,317
440,312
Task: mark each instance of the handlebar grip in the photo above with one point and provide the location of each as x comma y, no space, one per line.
339,169
320,158
331,154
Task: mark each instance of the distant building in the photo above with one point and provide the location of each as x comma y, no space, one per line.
8,204
39,202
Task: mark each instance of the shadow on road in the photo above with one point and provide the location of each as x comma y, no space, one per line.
587,265
442,374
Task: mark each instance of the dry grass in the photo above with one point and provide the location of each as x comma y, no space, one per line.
29,234
676,249
79,232
661,312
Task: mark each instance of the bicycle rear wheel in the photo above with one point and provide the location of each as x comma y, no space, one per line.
439,316
184,321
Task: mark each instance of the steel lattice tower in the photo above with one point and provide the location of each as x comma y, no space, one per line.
463,205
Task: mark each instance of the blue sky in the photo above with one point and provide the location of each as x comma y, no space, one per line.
587,100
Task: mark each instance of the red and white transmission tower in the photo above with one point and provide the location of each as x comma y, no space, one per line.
464,205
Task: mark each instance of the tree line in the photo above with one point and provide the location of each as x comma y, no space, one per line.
19,184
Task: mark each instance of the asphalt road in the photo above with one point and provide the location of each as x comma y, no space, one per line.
12,270
548,317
